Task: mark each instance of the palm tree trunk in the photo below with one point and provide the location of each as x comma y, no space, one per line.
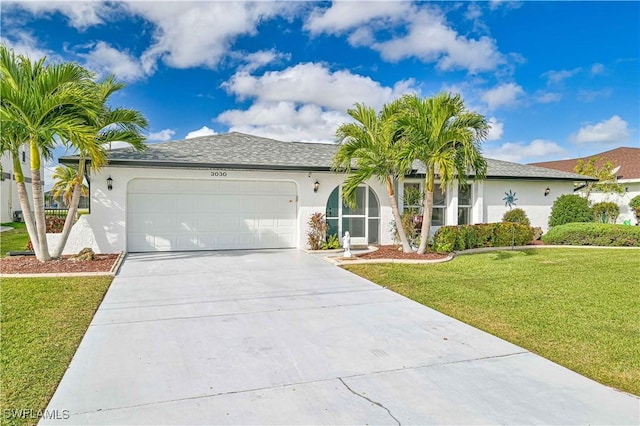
73,210
406,247
38,204
426,219
23,197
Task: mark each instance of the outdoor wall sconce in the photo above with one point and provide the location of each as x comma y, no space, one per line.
547,191
109,183
316,186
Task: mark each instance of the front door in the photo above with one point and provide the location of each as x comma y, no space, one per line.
362,221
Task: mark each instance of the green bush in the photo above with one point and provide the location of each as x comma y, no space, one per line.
570,209
606,212
333,242
444,241
593,234
516,216
464,237
635,206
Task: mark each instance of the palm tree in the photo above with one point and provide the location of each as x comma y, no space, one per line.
446,138
109,125
39,105
369,148
65,182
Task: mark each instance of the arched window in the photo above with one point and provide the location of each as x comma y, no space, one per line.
362,222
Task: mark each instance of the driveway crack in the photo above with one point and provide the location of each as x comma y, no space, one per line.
370,400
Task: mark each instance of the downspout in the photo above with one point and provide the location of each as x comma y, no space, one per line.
86,175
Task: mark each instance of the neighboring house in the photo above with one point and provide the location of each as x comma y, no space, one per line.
237,191
51,202
627,169
9,201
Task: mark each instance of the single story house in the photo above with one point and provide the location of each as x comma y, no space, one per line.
626,161
238,191
10,209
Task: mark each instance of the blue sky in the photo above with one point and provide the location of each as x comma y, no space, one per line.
556,79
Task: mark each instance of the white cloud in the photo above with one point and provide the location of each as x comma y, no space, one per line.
496,129
426,35
26,44
506,94
203,131
259,59
285,121
592,95
597,69
556,77
107,60
430,39
81,14
348,15
613,130
202,33
316,84
162,135
547,97
306,102
519,151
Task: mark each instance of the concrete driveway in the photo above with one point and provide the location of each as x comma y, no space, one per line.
282,337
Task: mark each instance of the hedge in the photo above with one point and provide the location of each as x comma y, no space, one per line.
593,234
463,237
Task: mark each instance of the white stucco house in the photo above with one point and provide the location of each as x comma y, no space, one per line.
626,161
9,201
237,191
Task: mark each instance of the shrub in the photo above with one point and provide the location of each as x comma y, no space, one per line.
593,234
333,242
635,206
444,241
570,209
606,212
463,237
516,216
411,222
317,231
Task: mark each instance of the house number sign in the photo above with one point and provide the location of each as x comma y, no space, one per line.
218,174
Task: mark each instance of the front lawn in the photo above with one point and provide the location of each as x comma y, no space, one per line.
13,240
43,321
577,307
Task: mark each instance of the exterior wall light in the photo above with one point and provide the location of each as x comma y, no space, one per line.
316,186
547,191
109,183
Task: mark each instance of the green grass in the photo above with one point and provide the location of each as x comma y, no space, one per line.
577,307
15,240
43,321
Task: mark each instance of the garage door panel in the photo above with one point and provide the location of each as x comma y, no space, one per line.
210,215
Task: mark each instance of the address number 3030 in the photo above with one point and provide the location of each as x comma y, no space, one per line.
219,174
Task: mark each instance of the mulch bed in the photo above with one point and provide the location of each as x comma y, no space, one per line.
31,265
395,252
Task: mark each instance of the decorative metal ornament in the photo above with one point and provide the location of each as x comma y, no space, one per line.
510,199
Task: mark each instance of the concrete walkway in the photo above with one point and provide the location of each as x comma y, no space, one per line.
282,337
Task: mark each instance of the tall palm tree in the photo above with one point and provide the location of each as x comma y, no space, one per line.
369,148
446,138
109,125
41,104
65,182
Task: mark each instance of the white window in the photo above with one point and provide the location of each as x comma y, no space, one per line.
464,205
439,210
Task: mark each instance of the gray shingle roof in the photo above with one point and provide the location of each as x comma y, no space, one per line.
242,151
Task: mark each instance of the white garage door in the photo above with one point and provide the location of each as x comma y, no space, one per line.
178,215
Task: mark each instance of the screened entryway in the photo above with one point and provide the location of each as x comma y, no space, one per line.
362,222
